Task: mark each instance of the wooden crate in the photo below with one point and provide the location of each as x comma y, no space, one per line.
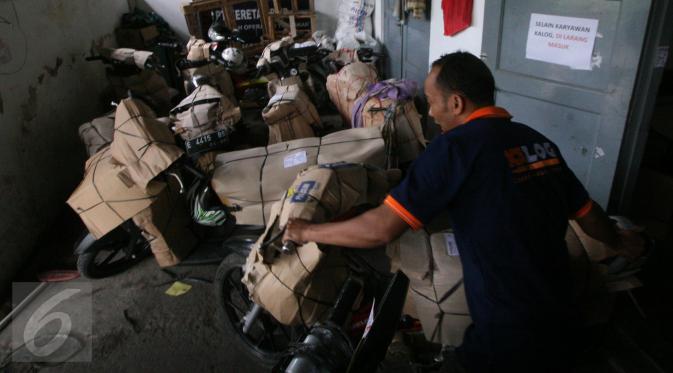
300,26
200,14
291,6
248,16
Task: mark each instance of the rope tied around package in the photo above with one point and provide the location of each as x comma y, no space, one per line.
303,112
300,295
437,301
98,133
143,129
103,200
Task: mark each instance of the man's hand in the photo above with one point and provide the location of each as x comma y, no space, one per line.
295,231
374,228
630,243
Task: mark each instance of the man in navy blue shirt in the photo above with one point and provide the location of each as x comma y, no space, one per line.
509,194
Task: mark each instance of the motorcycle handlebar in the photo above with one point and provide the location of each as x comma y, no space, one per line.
288,247
302,52
171,45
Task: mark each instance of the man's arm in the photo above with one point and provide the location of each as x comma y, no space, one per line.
371,229
598,226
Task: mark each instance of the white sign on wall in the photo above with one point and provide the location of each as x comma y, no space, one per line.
567,41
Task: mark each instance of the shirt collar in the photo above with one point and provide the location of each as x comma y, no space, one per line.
488,112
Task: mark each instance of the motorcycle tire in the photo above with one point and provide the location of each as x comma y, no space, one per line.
268,340
119,251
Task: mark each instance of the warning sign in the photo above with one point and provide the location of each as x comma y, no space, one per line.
561,40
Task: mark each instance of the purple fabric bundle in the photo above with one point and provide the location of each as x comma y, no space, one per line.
399,90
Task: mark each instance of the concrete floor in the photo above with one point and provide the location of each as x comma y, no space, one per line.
166,334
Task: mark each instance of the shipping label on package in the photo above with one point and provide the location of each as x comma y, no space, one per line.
451,245
295,159
301,194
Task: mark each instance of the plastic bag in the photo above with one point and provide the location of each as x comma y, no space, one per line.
354,27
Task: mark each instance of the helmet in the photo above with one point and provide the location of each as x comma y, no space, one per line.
218,31
233,57
199,80
203,208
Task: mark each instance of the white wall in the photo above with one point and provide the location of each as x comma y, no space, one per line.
46,91
468,40
378,20
170,11
327,15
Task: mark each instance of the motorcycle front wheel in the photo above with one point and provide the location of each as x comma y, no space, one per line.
113,253
267,341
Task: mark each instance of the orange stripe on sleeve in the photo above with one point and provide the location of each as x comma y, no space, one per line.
584,210
403,213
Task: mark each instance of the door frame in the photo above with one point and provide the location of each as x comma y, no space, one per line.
659,34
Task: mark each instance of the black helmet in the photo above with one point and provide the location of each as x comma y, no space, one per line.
218,31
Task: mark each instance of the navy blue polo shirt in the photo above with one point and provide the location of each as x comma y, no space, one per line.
509,194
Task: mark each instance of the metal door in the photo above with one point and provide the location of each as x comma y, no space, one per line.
583,111
407,43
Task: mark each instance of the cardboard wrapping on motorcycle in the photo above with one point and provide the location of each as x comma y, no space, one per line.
251,180
198,50
273,85
106,197
128,56
97,133
404,132
147,83
218,76
346,86
265,57
166,224
324,191
143,144
299,288
203,112
290,115
344,56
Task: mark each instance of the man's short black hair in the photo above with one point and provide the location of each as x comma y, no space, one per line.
464,73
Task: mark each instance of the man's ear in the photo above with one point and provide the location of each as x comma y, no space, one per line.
456,104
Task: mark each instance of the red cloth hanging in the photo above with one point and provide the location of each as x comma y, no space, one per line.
457,15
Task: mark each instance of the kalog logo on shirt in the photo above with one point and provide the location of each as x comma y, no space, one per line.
532,157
